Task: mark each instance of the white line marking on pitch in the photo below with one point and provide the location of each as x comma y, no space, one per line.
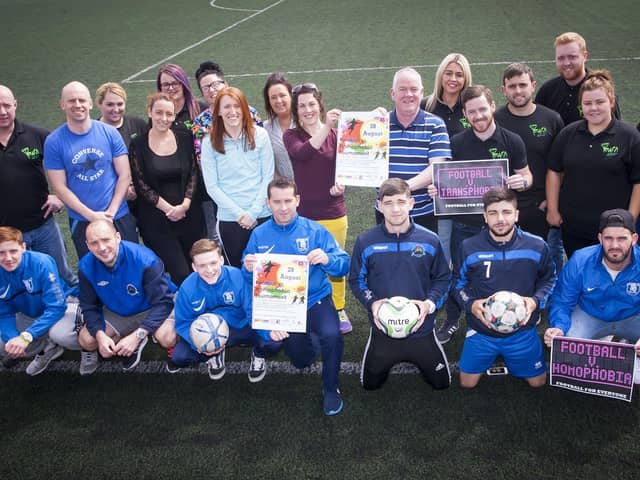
368,69
213,4
158,366
206,39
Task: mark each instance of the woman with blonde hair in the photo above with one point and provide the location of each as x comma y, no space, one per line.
111,98
452,77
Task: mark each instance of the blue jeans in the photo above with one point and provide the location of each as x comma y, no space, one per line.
445,226
126,225
323,328
459,233
48,239
554,240
586,326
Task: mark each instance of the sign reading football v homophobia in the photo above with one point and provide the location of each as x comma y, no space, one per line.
593,367
280,285
362,156
461,184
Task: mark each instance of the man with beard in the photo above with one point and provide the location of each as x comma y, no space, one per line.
503,257
537,126
484,140
598,291
561,93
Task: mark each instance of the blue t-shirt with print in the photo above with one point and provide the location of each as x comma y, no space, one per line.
88,163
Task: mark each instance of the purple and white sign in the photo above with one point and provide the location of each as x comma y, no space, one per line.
461,184
593,367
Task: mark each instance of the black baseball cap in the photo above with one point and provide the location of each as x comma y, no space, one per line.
618,217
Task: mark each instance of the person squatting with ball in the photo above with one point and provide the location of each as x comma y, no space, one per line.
503,257
220,289
400,257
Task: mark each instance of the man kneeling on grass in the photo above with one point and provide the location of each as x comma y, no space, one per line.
125,295
34,318
400,257
222,290
290,234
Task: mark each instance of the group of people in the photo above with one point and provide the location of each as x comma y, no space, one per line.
209,185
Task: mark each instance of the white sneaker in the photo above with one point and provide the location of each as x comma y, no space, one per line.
41,361
88,362
257,368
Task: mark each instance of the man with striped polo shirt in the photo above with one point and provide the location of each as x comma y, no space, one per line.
416,140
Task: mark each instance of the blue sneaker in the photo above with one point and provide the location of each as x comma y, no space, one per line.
332,403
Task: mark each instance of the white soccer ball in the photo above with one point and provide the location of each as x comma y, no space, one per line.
398,316
209,332
505,311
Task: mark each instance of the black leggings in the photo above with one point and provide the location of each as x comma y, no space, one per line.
383,352
234,239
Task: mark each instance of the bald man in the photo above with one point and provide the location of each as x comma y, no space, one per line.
125,296
88,167
25,202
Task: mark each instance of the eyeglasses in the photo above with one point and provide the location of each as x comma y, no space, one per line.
213,85
169,85
307,86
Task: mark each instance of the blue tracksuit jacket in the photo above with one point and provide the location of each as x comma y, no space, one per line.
136,283
522,265
411,265
584,281
34,289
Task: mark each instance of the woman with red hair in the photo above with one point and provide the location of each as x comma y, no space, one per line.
237,166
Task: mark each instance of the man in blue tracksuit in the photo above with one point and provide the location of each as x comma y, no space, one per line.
125,295
288,233
34,318
400,258
503,257
598,292
222,290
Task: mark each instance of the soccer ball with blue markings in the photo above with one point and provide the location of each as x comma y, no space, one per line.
505,311
398,316
209,332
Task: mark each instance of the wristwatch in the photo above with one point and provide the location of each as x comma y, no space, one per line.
141,334
27,337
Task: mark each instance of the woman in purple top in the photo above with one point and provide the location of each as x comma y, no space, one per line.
312,149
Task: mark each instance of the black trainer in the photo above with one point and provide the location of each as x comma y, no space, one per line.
446,331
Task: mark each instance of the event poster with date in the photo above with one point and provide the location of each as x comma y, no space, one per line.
362,158
280,286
